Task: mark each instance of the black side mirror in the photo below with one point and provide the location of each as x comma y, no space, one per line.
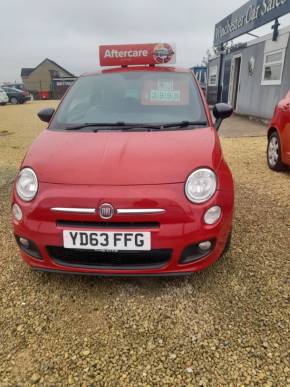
220,112
46,114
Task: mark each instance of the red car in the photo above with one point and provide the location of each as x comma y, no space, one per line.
278,151
128,178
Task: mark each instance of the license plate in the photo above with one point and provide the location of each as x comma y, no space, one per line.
102,240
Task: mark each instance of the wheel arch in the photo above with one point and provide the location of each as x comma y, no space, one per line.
271,130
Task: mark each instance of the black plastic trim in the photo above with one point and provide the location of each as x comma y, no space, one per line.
177,274
193,253
111,260
112,267
32,250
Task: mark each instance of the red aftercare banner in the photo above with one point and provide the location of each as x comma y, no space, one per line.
137,54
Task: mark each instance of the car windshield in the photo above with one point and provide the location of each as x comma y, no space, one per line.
11,90
139,97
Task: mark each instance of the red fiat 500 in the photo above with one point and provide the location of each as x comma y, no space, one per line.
128,178
278,152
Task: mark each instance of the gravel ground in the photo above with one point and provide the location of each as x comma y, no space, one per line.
226,326
241,126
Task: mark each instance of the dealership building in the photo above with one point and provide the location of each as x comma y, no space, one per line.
47,80
251,76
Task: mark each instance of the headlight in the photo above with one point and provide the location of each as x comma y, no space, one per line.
26,184
201,185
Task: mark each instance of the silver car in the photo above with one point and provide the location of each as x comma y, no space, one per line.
3,97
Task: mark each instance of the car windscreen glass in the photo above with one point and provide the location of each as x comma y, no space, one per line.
131,97
10,90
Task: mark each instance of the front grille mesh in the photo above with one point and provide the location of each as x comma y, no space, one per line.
111,260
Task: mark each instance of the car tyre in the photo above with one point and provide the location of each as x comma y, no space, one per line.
13,100
274,153
3,103
228,244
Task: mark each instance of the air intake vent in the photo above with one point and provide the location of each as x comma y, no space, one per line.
126,260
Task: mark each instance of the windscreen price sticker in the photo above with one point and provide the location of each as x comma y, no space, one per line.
165,96
165,92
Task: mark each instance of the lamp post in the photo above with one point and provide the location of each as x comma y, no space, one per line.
220,86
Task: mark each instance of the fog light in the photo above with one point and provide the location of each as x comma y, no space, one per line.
28,246
197,251
24,242
212,215
16,211
205,246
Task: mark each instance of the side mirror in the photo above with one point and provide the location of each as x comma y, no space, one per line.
220,112
46,114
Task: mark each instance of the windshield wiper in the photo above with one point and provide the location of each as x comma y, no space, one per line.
165,126
122,125
184,124
134,126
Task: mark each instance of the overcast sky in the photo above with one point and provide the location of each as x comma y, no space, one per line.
70,31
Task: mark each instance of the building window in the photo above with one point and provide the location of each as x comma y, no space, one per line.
212,78
273,68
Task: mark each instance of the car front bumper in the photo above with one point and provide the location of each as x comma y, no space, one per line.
175,233
4,99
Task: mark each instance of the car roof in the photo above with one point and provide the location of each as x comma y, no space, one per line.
139,68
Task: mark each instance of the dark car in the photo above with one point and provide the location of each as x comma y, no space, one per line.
16,96
18,86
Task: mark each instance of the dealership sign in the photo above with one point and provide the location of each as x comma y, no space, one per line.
250,16
137,54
